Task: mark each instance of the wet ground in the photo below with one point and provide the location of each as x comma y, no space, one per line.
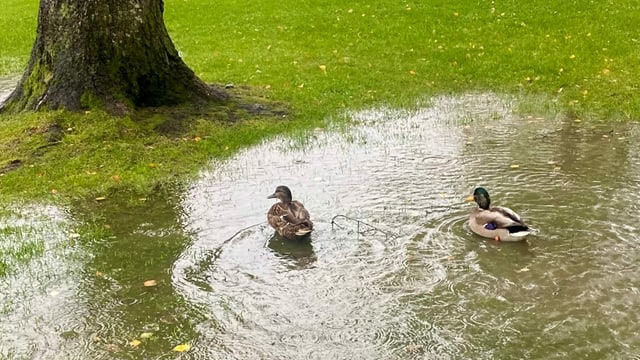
408,280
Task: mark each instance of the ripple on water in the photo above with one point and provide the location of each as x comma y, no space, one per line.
429,288
40,313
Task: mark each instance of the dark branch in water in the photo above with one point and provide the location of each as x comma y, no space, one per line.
370,228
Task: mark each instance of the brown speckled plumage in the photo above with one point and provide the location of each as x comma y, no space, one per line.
289,217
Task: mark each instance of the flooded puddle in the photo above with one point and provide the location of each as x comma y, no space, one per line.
407,281
7,84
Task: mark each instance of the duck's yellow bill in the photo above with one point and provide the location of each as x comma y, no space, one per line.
469,198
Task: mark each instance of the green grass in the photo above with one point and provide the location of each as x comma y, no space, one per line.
100,154
584,53
18,31
319,58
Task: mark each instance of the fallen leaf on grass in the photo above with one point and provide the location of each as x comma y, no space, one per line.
149,283
146,335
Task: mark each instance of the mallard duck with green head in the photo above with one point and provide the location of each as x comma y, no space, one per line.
288,217
498,222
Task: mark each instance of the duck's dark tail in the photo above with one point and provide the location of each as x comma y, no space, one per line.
517,228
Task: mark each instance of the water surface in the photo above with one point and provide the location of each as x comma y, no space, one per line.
7,84
415,284
430,288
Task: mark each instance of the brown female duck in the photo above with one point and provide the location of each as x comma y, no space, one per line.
498,223
288,217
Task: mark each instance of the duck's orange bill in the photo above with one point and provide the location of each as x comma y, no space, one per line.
469,198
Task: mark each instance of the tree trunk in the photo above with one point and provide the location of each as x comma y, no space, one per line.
115,54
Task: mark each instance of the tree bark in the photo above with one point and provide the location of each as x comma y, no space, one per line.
115,54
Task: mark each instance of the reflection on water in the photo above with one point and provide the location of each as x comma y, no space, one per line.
299,253
433,289
409,281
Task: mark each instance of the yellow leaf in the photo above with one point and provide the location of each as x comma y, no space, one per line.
101,198
150,283
182,347
135,342
197,138
515,166
323,68
412,72
152,165
146,335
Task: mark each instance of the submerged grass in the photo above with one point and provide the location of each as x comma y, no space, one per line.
579,57
18,245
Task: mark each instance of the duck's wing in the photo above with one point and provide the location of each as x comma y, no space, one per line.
502,217
300,214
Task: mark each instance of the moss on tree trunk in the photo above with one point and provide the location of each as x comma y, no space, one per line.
112,53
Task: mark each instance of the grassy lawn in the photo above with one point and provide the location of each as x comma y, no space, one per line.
579,57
